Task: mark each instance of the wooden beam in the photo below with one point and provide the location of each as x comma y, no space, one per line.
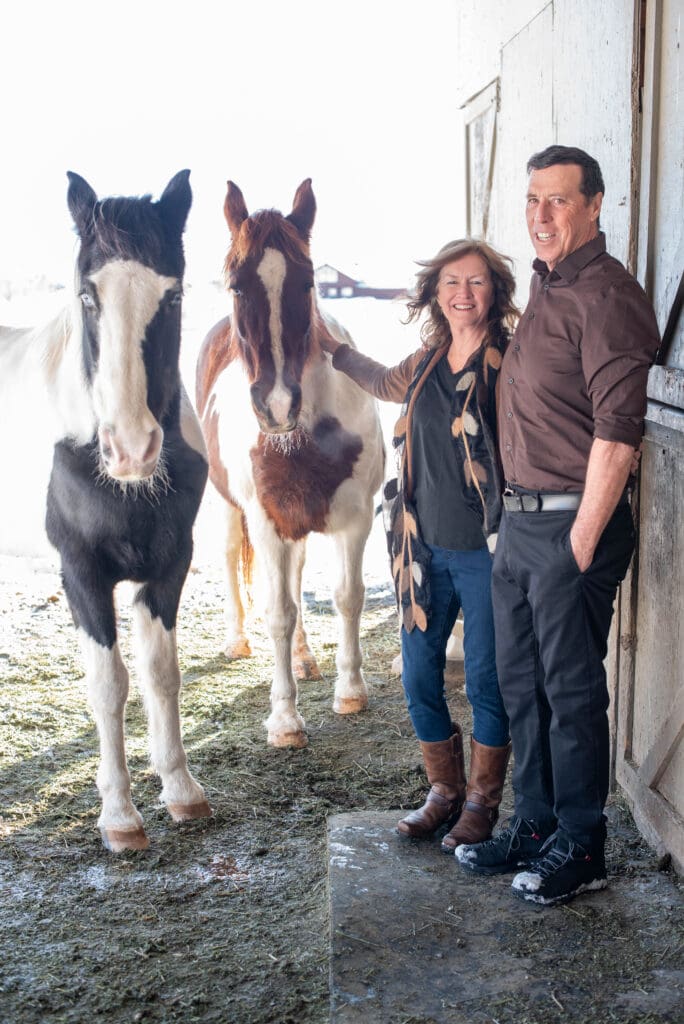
670,734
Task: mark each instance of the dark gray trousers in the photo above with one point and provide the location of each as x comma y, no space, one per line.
552,625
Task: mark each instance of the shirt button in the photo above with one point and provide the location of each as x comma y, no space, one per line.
546,287
509,447
516,348
509,415
510,380
531,316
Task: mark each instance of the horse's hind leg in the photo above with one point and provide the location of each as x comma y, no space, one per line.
157,661
237,643
351,693
304,664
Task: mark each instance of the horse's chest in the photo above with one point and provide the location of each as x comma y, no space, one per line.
295,485
130,535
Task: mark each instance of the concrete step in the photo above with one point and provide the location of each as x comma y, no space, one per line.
417,940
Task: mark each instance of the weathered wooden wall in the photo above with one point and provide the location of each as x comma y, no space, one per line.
650,663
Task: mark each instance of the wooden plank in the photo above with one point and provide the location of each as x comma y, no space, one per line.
602,120
666,385
654,816
649,146
656,762
526,85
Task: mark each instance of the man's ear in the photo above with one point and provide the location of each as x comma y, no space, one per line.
596,202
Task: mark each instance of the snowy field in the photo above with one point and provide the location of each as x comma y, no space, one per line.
25,456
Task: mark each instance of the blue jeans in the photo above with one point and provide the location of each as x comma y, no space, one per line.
458,579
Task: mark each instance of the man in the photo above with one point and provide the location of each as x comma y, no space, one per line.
572,402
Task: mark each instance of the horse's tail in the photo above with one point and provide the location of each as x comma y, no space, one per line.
246,558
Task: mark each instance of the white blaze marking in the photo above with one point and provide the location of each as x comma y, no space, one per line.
129,295
272,270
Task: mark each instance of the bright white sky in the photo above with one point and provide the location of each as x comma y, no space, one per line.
355,95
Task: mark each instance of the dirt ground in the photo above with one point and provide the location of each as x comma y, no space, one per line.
226,920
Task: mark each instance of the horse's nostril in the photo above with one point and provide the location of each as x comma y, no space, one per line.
153,447
106,443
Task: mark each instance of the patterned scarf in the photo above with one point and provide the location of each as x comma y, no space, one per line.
473,432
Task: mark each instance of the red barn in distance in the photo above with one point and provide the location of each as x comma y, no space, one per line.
333,284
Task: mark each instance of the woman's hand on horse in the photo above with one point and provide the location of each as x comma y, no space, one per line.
325,339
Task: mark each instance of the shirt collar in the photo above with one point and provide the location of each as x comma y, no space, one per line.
570,267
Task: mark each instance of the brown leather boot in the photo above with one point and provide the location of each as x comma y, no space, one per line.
445,769
483,796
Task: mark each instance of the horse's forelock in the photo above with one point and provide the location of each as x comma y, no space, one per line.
263,229
127,229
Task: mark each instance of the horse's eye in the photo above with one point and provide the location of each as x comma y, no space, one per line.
87,300
308,286
176,298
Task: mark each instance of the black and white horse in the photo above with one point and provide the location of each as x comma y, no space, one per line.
128,474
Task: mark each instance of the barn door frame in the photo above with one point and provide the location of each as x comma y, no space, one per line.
657,819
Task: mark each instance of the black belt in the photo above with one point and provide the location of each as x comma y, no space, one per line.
520,501
541,502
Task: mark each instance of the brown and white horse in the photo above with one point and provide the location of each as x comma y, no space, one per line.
294,447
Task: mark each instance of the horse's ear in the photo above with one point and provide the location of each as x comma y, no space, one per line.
81,200
303,209
234,208
176,200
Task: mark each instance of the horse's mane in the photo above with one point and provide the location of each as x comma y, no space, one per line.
262,229
128,229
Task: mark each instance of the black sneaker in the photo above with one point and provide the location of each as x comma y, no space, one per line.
565,870
518,844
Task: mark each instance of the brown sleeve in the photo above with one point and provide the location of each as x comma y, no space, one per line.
388,383
618,347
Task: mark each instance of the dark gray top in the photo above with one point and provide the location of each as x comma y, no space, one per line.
446,521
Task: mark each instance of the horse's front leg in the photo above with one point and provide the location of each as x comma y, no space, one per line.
92,607
285,725
159,673
351,692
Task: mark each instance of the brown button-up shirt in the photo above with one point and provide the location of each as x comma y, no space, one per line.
576,369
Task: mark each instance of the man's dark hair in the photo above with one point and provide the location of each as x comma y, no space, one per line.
592,179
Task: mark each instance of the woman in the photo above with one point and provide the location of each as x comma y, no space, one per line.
440,513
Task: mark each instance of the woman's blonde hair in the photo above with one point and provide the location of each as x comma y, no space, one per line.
503,314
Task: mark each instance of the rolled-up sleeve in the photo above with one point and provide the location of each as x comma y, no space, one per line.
619,345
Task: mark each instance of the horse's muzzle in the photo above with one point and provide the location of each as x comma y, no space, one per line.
279,416
133,457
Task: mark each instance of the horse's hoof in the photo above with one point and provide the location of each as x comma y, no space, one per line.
288,739
350,705
118,840
188,812
307,668
237,649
